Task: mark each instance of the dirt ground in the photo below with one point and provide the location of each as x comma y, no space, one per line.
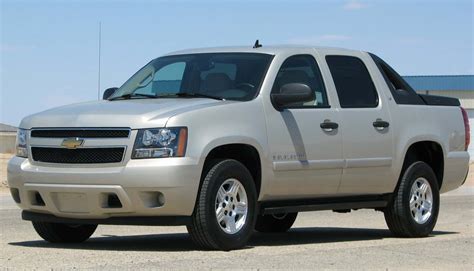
4,157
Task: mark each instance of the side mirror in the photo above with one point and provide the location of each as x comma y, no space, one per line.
292,93
108,92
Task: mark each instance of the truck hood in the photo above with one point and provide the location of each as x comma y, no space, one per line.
134,113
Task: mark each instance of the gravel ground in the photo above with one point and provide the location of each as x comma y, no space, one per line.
323,240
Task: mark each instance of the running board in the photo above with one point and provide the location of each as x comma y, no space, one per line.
335,204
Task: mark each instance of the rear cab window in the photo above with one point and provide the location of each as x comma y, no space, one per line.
400,89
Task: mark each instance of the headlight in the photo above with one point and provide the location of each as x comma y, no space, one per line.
21,143
160,142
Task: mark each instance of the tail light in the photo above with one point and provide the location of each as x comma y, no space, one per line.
467,129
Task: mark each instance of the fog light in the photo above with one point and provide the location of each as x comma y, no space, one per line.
152,199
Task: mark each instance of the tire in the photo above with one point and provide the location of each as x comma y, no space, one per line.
206,229
417,220
275,223
64,233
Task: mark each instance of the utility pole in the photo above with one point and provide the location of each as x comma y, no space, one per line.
98,77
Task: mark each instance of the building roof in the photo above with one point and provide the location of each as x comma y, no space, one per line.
441,82
7,128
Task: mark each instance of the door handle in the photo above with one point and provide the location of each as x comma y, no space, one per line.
380,124
328,126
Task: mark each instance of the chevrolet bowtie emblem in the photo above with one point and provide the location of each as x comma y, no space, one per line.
72,143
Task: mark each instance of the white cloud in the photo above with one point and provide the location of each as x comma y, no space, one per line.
354,5
329,38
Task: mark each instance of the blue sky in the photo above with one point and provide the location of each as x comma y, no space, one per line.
49,48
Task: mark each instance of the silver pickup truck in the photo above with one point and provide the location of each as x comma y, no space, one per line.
231,140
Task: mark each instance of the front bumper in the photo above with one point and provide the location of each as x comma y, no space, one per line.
148,187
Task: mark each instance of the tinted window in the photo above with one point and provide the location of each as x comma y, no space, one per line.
302,69
353,82
229,69
401,91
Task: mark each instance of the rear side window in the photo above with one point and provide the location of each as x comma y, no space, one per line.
354,85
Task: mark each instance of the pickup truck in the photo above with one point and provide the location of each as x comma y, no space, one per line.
232,140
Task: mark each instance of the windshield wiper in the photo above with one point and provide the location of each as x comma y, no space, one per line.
190,95
131,95
167,95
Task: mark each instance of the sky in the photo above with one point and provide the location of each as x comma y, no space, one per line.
49,49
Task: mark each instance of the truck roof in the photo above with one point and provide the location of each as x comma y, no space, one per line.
272,50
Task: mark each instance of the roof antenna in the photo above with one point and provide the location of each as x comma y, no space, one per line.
257,44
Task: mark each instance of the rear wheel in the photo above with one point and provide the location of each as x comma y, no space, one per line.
64,233
275,222
224,216
413,212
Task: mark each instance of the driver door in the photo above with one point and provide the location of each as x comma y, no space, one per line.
306,158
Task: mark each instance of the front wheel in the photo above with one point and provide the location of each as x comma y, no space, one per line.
414,209
63,233
224,216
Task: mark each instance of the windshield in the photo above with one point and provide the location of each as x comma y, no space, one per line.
230,76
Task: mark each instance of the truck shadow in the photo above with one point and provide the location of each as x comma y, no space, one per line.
182,241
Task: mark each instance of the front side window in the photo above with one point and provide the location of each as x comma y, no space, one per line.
232,76
354,85
302,69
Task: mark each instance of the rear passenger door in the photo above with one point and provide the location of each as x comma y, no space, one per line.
366,134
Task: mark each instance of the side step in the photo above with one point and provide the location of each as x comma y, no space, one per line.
322,204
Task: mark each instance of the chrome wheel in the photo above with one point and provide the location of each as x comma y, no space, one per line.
421,200
231,206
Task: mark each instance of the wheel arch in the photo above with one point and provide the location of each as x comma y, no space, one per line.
428,151
246,151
